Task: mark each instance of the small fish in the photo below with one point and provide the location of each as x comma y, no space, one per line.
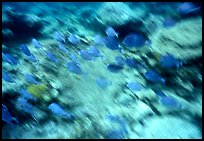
159,93
169,22
102,82
59,37
110,32
7,77
120,60
154,76
132,63
51,57
98,40
117,133
58,110
73,57
169,101
31,79
25,94
134,86
85,55
25,49
134,40
111,43
7,117
74,67
62,47
186,8
9,58
73,39
169,61
92,50
32,58
24,105
35,43
114,67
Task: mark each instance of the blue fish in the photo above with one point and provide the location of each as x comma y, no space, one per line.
169,101
25,49
134,40
62,47
59,37
85,55
117,133
73,39
110,32
35,43
24,105
160,93
32,58
186,8
132,63
30,79
73,57
51,57
169,61
169,22
74,67
114,68
120,60
92,50
134,86
7,77
111,43
58,110
154,76
7,117
25,94
98,40
102,82
9,58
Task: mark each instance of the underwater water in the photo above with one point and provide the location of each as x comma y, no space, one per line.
102,70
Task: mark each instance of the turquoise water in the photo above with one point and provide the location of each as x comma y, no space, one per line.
100,70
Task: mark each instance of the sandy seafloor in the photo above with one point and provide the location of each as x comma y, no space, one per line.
135,113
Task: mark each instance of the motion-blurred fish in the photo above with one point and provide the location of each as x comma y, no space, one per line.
8,58
169,61
134,86
98,40
7,117
132,63
85,55
25,94
73,57
169,22
73,39
58,110
51,57
102,82
169,101
7,77
187,7
59,37
92,50
32,58
25,106
120,60
112,43
74,67
62,47
35,43
134,40
25,50
114,67
154,76
31,79
110,32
